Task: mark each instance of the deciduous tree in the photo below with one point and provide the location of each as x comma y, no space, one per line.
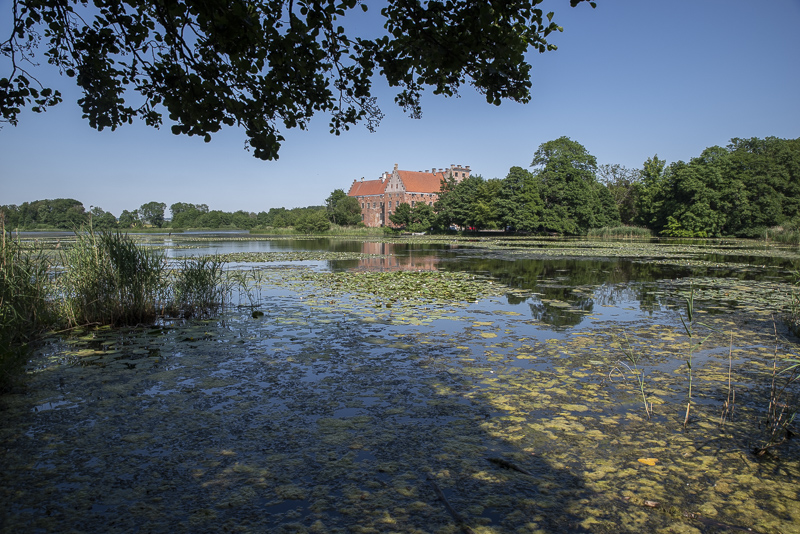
342,209
569,188
519,204
152,213
266,65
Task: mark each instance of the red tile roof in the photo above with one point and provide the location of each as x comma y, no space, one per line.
367,187
421,182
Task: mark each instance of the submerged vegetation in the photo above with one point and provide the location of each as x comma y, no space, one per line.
101,278
409,385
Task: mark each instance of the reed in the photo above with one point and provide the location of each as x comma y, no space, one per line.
25,312
630,354
197,289
793,320
109,280
689,327
620,232
787,235
783,403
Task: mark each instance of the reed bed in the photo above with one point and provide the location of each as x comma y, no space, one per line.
25,309
786,235
103,278
197,288
110,280
620,232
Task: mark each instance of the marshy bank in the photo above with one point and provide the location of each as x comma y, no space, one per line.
512,376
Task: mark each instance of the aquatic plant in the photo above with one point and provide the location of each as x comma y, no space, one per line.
239,281
24,309
630,354
789,235
783,403
793,320
197,288
689,328
620,232
110,280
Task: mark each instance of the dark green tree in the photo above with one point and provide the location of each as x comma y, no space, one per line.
62,213
623,186
402,215
152,213
342,209
569,188
650,194
519,204
102,220
769,172
243,220
421,217
129,219
266,65
462,203
313,222
485,210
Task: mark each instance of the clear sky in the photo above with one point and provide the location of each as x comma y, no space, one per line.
630,79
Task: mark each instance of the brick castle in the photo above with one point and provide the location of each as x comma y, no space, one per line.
380,198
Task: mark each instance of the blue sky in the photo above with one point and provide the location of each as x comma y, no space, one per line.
630,79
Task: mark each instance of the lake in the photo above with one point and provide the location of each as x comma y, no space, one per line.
425,385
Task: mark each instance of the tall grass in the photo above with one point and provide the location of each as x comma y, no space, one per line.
784,404
788,235
197,288
620,232
109,280
25,311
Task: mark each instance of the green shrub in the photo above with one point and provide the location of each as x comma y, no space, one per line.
313,223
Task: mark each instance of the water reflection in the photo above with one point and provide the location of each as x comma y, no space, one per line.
558,291
393,257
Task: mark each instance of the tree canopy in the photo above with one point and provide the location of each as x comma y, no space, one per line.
574,201
342,209
266,65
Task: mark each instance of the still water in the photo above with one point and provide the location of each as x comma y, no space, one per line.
422,386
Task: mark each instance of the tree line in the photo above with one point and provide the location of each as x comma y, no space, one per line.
69,214
739,190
